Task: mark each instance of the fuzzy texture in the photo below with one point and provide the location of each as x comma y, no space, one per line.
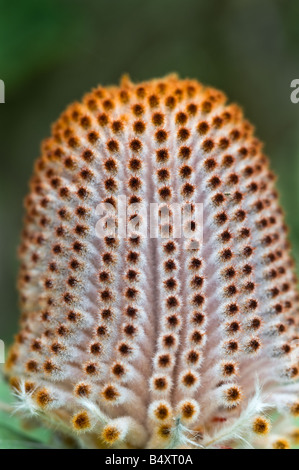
143,342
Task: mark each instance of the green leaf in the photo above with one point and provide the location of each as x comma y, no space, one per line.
21,444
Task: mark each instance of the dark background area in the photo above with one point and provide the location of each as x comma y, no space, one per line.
51,52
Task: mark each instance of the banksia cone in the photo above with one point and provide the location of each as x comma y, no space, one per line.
138,341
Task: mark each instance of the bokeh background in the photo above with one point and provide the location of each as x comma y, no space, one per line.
52,51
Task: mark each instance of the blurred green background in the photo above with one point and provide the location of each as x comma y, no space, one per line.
51,52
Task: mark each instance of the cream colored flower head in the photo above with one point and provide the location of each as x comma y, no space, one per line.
139,341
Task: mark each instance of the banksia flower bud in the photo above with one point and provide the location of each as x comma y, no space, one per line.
135,340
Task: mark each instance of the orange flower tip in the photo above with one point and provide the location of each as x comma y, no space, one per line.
43,398
253,346
281,444
160,384
14,382
82,390
294,435
110,434
111,394
261,425
164,431
189,380
188,410
81,422
228,369
160,410
230,395
294,409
